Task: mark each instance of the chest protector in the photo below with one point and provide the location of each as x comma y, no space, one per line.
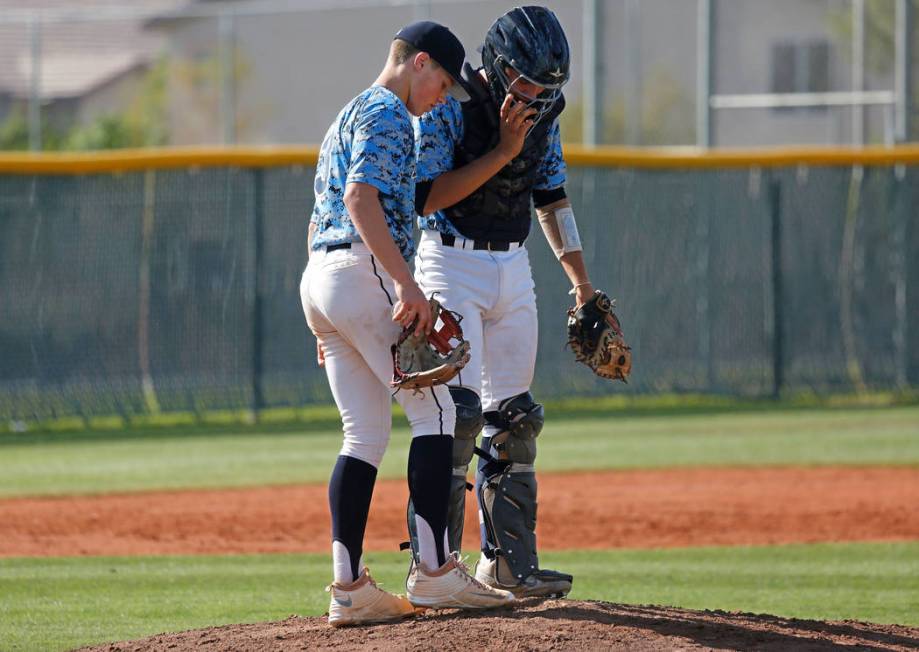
499,209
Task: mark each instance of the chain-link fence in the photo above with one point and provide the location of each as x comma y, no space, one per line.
177,289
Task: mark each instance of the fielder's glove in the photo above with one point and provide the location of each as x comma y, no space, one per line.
430,358
596,338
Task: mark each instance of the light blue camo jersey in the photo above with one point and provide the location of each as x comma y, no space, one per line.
436,134
370,142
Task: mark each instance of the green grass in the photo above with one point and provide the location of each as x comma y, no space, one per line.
833,581
56,604
325,416
172,459
60,603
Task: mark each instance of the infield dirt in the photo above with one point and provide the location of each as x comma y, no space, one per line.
623,509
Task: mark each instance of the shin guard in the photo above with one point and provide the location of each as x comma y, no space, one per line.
508,502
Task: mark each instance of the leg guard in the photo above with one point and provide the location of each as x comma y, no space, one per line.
507,492
509,509
469,422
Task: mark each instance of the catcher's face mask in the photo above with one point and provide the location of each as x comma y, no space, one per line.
531,41
537,96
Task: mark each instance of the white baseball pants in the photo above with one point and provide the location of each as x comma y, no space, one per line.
494,292
347,299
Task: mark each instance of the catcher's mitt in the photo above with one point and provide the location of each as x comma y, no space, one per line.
430,358
596,338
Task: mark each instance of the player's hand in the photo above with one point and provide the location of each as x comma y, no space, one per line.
516,120
412,305
320,354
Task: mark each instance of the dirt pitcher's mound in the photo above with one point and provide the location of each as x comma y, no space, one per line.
545,625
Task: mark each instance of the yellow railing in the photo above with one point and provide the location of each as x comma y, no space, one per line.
126,160
692,157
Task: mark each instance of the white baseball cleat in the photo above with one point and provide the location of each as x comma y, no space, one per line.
452,587
363,602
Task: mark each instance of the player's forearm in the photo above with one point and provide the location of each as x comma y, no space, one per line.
455,185
576,271
363,204
574,267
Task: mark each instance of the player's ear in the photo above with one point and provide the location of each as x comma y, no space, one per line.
420,60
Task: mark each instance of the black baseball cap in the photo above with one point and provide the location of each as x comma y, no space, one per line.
444,48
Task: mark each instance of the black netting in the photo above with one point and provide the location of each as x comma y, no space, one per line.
179,289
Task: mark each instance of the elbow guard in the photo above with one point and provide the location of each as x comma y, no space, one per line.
557,222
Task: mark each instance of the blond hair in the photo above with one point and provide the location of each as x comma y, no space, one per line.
401,51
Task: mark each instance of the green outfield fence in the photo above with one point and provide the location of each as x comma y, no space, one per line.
139,282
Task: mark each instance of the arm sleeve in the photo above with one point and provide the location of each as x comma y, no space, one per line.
553,172
381,147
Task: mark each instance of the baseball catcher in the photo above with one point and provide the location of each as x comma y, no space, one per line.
481,168
429,359
595,336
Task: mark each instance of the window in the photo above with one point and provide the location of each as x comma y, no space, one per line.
802,67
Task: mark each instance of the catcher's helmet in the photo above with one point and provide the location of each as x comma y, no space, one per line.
531,41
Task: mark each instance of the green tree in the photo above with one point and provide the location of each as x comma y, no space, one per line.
14,132
143,123
197,84
880,37
880,41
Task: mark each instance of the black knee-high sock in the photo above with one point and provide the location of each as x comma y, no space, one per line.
350,491
430,466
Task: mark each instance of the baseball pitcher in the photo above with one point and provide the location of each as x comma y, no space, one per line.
361,302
